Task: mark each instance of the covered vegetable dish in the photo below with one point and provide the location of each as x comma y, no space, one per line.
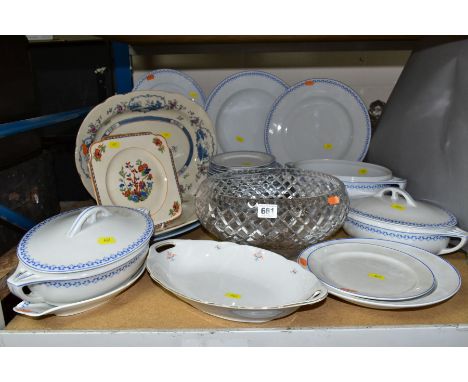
81,254
392,214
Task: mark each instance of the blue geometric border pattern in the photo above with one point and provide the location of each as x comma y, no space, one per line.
29,260
94,279
394,234
329,82
452,221
252,73
368,186
186,76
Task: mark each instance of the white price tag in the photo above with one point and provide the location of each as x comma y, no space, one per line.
267,211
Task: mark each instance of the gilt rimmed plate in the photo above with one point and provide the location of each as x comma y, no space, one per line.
318,119
136,170
143,108
368,270
239,105
448,280
173,81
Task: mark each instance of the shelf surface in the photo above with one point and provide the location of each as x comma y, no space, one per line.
146,306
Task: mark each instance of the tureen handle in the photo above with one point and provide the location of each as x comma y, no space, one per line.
21,278
458,233
395,193
88,215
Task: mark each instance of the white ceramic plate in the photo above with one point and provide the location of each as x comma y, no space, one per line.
172,81
241,159
43,309
235,282
448,280
239,105
347,171
369,271
175,117
177,231
318,119
137,171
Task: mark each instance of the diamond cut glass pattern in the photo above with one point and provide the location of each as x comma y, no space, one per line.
311,206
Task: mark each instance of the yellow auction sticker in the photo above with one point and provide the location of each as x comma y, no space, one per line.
362,171
240,139
232,295
399,207
376,276
106,240
193,95
166,134
114,144
247,164
328,146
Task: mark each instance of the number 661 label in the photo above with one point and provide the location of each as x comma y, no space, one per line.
267,211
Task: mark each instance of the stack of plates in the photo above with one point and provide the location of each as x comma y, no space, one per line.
381,274
184,125
240,160
360,178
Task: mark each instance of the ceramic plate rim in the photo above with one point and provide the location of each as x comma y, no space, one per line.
351,178
178,73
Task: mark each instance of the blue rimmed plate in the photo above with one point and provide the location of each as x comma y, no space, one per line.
239,105
448,280
369,271
173,81
318,119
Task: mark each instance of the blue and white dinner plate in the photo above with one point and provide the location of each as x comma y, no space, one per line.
173,81
448,280
318,119
238,107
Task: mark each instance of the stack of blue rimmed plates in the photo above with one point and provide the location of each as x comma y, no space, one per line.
240,160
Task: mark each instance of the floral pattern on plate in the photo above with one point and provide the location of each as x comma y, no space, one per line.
137,171
136,180
145,102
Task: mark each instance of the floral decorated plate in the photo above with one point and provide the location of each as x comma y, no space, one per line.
172,81
180,225
181,139
183,123
136,170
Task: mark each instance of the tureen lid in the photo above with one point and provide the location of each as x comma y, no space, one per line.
85,239
400,209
